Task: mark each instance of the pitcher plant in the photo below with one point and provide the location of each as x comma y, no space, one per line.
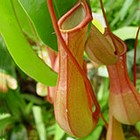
76,108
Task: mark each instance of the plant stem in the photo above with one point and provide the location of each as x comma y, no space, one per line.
108,28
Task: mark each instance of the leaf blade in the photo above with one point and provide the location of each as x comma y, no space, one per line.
20,49
42,22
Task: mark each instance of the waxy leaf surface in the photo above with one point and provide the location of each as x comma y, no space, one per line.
38,11
20,49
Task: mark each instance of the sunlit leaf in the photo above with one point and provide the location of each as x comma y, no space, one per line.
20,49
25,21
38,11
39,122
94,135
59,133
127,32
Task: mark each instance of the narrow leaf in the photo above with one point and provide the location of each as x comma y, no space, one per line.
39,122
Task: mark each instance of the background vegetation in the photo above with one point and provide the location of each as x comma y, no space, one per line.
25,112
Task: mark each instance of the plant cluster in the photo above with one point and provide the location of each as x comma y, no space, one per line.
56,49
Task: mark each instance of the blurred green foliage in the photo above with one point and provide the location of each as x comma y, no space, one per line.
25,115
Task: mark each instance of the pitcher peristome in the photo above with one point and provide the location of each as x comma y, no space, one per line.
99,49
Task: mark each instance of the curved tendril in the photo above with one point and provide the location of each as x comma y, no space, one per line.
81,71
135,49
108,28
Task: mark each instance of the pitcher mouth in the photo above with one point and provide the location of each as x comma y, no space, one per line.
122,48
76,18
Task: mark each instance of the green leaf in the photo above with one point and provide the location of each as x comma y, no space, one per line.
20,49
125,33
28,110
130,59
38,11
125,8
59,133
6,64
19,133
5,122
138,126
37,112
94,135
13,103
32,98
60,4
25,21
